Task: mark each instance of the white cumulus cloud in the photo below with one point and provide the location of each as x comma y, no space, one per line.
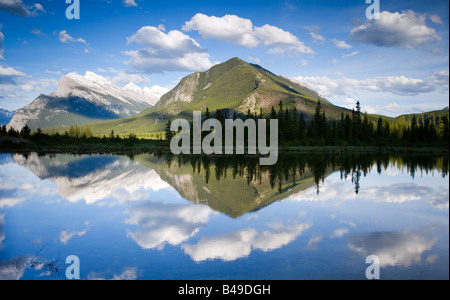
64,37
17,7
229,28
172,51
240,31
341,44
344,86
10,72
9,76
441,79
129,3
406,30
281,40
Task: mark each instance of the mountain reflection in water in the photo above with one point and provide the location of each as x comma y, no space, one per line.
233,185
310,216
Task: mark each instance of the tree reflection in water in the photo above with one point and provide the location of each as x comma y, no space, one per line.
293,167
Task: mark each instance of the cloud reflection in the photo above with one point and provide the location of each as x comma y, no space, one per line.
65,236
240,243
11,270
312,243
438,197
403,249
166,223
129,273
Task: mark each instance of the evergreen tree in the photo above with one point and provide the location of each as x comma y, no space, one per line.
13,133
445,129
301,127
261,114
3,132
168,131
25,132
380,127
357,122
273,114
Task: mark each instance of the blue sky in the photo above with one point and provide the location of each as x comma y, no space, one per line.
396,64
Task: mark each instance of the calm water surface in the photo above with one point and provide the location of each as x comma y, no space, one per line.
157,217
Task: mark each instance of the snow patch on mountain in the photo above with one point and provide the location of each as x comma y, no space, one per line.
81,99
95,87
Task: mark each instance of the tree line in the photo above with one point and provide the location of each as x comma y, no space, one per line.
352,129
296,129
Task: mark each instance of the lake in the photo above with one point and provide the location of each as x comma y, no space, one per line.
198,217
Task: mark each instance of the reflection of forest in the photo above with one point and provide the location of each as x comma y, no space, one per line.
233,185
236,185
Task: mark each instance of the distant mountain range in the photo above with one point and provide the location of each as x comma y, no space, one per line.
234,86
85,99
5,116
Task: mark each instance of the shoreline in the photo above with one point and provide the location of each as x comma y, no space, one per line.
332,150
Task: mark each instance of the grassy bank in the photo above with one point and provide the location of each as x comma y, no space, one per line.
61,144
94,145
368,149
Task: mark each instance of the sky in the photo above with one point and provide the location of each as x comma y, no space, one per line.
393,60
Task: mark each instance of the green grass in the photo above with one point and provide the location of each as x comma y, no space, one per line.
65,144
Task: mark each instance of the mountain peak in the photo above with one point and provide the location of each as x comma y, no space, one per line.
131,86
93,77
236,84
233,85
81,99
73,84
236,60
90,79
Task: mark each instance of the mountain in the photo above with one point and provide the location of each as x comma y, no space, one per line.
96,179
436,114
5,116
233,85
85,99
445,108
